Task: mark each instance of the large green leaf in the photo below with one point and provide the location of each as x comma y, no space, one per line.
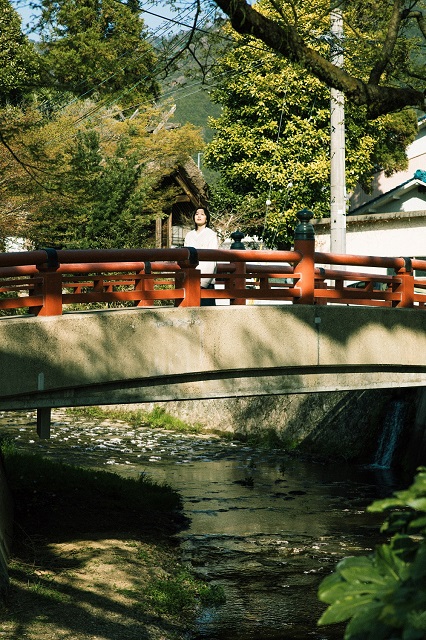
419,566
365,623
383,596
418,524
332,588
344,609
388,563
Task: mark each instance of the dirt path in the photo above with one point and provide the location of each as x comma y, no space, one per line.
94,557
90,589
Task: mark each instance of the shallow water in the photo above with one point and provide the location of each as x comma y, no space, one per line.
265,526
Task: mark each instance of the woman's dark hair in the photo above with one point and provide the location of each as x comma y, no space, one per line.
207,216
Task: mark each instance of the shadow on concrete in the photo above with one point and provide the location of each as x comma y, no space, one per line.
170,354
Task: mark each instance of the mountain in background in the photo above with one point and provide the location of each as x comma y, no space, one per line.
184,86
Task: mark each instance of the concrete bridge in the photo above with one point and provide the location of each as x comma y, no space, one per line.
329,336
141,355
326,334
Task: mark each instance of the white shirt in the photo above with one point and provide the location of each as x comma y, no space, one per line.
204,239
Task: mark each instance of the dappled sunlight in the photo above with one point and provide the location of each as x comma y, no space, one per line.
84,555
131,355
85,589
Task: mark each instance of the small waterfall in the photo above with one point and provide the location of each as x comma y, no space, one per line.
392,427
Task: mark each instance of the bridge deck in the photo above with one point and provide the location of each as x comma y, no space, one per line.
140,355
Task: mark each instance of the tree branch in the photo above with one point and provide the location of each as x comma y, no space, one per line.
26,167
285,40
418,15
389,43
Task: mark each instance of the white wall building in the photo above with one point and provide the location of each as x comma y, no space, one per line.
416,155
392,220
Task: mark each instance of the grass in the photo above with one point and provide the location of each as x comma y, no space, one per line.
158,418
177,594
89,546
50,496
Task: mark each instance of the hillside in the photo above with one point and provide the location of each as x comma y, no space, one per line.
184,86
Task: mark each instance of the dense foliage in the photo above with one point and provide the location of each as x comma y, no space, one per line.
384,595
91,184
387,38
97,49
272,141
20,64
80,163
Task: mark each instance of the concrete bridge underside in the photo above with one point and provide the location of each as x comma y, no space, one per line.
160,354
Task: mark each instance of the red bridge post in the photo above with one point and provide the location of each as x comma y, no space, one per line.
304,270
49,286
406,287
189,279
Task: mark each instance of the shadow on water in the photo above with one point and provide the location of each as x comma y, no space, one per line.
264,525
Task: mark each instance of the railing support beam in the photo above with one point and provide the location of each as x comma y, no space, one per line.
238,281
406,287
43,422
190,280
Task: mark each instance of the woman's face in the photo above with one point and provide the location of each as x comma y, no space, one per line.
200,218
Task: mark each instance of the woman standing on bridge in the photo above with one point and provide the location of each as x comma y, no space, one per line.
202,237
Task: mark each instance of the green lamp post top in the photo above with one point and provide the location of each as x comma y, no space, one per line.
237,243
304,230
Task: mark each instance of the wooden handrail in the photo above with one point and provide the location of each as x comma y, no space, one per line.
44,281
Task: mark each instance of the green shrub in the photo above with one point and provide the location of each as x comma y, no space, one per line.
180,593
384,595
55,496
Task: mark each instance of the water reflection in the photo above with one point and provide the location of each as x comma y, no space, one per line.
265,526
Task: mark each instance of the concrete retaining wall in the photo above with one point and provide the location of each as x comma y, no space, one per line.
344,425
416,436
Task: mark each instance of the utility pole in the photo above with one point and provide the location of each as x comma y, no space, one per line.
337,144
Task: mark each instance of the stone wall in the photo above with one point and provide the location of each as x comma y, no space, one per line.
414,451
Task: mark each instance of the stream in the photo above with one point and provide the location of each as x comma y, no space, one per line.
264,525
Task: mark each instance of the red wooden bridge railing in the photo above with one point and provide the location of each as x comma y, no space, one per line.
46,282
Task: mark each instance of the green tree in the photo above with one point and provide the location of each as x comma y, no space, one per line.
272,141
90,181
86,47
110,202
19,61
386,37
97,48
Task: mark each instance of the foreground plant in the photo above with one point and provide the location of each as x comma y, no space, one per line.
384,595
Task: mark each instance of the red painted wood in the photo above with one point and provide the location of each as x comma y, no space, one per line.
149,277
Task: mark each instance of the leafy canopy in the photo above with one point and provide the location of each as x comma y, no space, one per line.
87,176
79,166
273,136
19,62
386,37
96,48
